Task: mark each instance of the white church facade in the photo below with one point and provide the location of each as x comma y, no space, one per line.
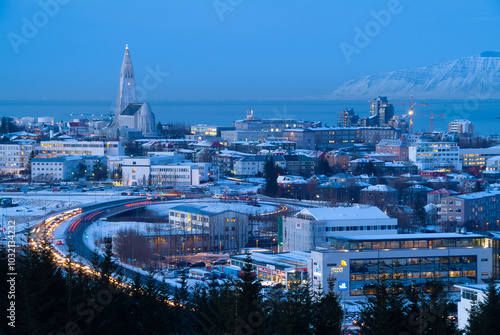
128,112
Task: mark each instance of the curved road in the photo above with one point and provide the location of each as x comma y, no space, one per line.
89,214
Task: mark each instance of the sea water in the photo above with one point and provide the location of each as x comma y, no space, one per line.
485,114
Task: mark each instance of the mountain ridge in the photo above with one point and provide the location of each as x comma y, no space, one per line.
472,77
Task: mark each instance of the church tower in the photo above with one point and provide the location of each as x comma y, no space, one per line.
126,91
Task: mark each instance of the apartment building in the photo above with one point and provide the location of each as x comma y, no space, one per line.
14,156
435,155
80,148
481,209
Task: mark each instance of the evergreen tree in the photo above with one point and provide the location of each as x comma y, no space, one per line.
270,175
80,171
249,298
327,312
384,312
3,126
436,309
99,171
27,170
298,311
484,316
181,294
40,291
322,167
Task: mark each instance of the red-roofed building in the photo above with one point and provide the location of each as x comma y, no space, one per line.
434,197
78,129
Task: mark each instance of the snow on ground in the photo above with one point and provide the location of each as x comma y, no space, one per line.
216,207
101,229
225,185
33,206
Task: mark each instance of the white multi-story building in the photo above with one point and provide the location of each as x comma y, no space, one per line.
80,148
14,156
478,157
226,229
470,294
435,155
493,163
251,165
54,169
244,135
136,171
169,170
461,126
356,262
314,227
183,174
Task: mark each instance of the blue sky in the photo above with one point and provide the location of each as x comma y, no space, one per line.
248,49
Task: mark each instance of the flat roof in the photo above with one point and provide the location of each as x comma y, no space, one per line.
282,260
476,287
345,213
478,195
418,236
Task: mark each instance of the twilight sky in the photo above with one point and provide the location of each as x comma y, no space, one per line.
228,49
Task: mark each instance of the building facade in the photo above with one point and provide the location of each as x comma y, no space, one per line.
461,127
481,209
80,148
54,169
314,227
357,261
14,156
395,147
227,229
435,155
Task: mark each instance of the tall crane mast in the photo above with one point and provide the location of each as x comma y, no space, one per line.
411,110
411,114
432,116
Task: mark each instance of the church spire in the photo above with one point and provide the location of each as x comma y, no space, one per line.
126,90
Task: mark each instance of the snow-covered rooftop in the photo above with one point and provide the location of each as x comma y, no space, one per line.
345,213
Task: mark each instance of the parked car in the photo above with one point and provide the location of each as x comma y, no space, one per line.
220,262
198,265
182,264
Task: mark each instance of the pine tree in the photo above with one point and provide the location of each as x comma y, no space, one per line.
99,171
181,294
323,167
298,311
327,312
41,301
3,126
249,298
27,169
484,317
270,175
384,312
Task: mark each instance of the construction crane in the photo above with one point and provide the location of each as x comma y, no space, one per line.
410,112
432,116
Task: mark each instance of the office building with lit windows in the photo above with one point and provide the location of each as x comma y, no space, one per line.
312,227
80,148
435,155
227,230
478,157
479,208
357,261
14,156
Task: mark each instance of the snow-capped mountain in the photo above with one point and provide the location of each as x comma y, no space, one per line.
475,77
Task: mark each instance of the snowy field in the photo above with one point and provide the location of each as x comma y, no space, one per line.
214,206
33,206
